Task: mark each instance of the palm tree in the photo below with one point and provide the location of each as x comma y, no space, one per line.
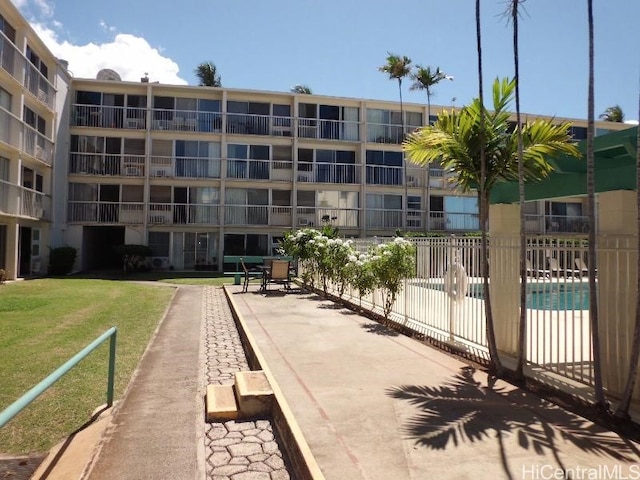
482,149
398,68
301,89
425,79
613,114
484,212
522,330
600,402
208,75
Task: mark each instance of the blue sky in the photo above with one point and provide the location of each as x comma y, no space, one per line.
335,47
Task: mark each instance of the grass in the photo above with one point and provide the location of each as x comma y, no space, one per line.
45,322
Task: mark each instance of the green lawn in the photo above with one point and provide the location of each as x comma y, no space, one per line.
44,322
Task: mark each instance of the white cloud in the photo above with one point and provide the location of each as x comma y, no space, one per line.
631,122
86,60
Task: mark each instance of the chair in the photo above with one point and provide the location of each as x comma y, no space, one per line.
536,272
278,273
580,265
249,273
554,266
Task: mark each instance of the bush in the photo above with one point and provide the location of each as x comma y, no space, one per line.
61,260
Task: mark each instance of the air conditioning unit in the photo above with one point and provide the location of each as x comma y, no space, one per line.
160,172
159,263
158,219
133,171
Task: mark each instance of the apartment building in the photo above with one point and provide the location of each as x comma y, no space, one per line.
199,172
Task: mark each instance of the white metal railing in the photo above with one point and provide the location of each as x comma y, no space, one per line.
37,145
105,212
553,224
328,173
184,167
382,175
23,202
11,129
38,85
337,217
558,330
329,129
248,169
387,133
384,219
124,165
453,222
246,214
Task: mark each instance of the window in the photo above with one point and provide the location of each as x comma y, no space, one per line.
248,161
159,243
281,198
7,29
4,169
5,99
306,198
197,159
461,213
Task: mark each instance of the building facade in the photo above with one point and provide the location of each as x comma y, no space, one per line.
199,172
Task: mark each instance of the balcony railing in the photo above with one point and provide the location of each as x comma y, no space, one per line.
183,214
184,167
123,165
246,215
24,202
377,175
11,129
378,218
540,223
328,173
248,169
388,133
37,145
247,124
451,222
38,84
337,217
329,129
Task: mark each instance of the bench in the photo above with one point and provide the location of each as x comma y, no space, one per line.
237,273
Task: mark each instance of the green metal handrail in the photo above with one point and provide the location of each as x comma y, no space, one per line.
17,406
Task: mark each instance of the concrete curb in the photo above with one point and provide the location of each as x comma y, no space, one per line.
303,462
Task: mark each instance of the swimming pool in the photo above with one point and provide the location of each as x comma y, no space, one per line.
550,296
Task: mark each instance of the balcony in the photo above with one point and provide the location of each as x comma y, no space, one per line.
384,219
542,224
187,121
453,222
38,85
248,169
388,133
249,124
184,167
337,217
328,173
246,215
125,213
23,202
328,129
379,175
121,165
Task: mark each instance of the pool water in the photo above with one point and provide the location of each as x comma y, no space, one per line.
554,296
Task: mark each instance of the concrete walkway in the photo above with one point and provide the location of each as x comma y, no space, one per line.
373,404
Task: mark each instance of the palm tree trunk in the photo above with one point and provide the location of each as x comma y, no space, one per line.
427,199
522,330
483,204
600,401
622,411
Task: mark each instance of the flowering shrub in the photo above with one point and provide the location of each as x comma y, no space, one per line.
391,263
384,266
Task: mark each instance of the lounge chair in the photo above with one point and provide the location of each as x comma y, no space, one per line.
536,272
557,271
580,265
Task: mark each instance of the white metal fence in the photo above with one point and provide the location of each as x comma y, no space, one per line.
445,299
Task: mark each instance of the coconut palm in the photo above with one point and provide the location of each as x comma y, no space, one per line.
460,140
301,89
425,79
398,68
208,75
600,401
484,212
512,15
613,114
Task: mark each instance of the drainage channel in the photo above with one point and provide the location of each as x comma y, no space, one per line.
234,450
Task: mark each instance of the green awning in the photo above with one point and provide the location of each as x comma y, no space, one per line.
615,169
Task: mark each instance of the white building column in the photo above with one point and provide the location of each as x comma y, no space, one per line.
617,266
504,256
